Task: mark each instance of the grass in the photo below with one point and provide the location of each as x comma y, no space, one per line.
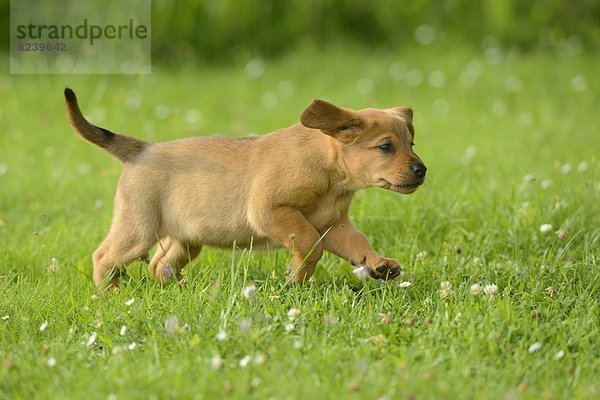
486,125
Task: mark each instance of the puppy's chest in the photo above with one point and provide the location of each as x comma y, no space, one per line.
327,210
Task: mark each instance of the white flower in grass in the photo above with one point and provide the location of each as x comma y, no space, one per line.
559,354
545,228
129,302
475,289
422,255
216,361
293,313
582,166
123,330
51,362
562,233
445,289
245,361
91,339
546,183
534,347
43,326
249,292
289,327
490,290
132,346
566,168
221,336
259,358
5,317
361,272
404,284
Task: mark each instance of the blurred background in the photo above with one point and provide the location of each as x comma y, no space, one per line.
225,30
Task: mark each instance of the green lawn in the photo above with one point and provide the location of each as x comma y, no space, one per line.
511,142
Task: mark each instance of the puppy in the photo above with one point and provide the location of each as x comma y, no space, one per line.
290,188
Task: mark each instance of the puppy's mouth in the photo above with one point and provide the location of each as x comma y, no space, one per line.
405,188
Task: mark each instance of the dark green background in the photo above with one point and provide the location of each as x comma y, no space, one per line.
220,30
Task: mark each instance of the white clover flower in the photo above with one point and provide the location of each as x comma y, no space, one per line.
362,272
249,292
216,361
123,330
534,347
546,183
293,313
475,289
566,168
259,358
545,228
559,354
91,339
445,289
490,290
245,361
43,326
5,317
51,362
562,233
132,346
404,284
582,166
289,327
117,349
221,336
422,255
129,302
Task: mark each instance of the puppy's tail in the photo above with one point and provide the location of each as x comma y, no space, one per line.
124,148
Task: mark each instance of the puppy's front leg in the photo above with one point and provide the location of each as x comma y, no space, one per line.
289,227
345,241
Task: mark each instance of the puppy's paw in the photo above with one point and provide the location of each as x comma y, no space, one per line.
165,272
384,268
300,276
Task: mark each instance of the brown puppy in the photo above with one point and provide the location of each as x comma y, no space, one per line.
290,188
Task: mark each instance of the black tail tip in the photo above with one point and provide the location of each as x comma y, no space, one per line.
70,95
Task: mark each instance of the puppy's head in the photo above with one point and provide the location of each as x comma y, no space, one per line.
377,144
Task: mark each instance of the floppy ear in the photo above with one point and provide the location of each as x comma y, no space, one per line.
406,113
340,123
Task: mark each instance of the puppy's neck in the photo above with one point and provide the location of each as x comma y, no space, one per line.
340,175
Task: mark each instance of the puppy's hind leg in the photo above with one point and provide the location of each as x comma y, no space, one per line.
131,235
119,249
170,258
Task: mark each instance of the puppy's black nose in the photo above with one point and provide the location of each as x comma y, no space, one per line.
419,169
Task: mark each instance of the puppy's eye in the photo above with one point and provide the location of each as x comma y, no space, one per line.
386,147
